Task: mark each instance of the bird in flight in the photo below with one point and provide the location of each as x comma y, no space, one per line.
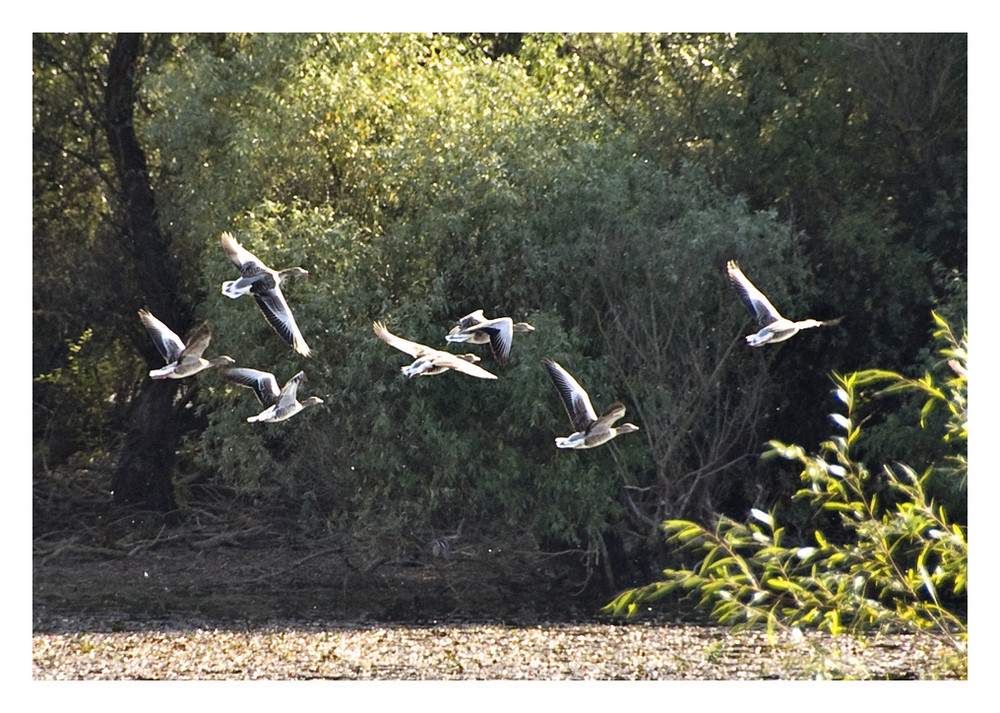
773,327
182,359
428,361
589,429
279,404
264,284
498,333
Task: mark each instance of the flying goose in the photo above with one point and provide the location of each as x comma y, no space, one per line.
182,360
278,404
589,430
774,327
499,333
431,361
264,284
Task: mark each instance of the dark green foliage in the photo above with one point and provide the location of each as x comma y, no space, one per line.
593,186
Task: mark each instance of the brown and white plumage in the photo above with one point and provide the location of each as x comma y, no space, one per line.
264,284
589,429
428,361
279,404
182,359
774,327
498,333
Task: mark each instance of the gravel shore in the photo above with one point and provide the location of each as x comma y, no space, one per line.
79,649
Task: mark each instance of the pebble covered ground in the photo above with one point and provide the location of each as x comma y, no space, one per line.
80,649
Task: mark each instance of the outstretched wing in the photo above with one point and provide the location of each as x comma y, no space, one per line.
263,383
197,341
501,333
467,321
289,392
404,345
279,315
246,261
614,413
167,342
761,308
458,362
575,399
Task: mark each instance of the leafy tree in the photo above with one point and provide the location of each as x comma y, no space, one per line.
899,561
593,185
71,170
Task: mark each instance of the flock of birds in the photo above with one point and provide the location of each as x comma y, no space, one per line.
257,279
184,360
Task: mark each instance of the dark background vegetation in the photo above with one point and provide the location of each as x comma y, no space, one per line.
592,185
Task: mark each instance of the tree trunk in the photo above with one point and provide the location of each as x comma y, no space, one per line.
146,462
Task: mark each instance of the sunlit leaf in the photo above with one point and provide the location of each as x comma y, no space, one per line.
762,516
841,421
